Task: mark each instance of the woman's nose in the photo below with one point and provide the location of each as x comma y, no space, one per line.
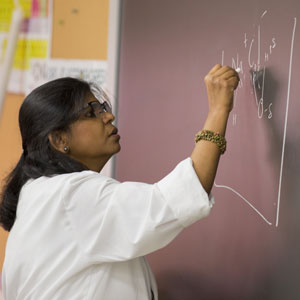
107,117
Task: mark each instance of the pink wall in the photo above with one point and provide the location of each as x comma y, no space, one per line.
167,48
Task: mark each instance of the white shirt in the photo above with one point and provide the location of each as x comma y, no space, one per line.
84,235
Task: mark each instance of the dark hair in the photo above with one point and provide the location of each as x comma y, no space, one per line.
50,107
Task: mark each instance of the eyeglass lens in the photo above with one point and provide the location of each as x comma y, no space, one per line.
100,107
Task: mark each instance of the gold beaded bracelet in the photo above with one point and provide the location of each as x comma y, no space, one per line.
211,136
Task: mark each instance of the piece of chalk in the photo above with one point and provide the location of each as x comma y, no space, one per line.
238,70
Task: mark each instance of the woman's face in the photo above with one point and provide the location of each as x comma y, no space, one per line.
93,139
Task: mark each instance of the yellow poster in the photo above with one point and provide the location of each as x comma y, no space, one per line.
6,9
33,41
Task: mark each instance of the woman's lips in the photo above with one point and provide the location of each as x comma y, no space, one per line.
114,134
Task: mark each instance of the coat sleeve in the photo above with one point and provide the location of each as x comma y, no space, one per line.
113,221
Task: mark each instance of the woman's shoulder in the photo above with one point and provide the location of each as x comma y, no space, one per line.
74,178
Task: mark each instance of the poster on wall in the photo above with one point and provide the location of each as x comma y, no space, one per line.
33,41
44,70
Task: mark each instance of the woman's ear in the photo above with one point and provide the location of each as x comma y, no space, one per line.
58,140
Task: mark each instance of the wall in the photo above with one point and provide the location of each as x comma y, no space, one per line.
248,248
80,29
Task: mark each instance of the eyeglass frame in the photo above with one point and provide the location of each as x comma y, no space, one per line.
104,107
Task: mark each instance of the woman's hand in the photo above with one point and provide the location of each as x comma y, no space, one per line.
221,83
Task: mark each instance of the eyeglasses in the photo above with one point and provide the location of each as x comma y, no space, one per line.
97,109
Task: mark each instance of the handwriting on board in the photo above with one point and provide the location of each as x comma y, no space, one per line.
257,54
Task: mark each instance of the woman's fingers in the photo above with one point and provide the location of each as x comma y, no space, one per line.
223,73
233,82
219,70
221,82
230,73
214,69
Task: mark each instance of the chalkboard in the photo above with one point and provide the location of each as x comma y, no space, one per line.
249,247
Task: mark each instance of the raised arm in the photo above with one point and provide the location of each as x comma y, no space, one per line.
220,83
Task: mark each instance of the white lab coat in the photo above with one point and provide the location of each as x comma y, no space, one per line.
84,235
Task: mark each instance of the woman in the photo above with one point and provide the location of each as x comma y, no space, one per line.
76,234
